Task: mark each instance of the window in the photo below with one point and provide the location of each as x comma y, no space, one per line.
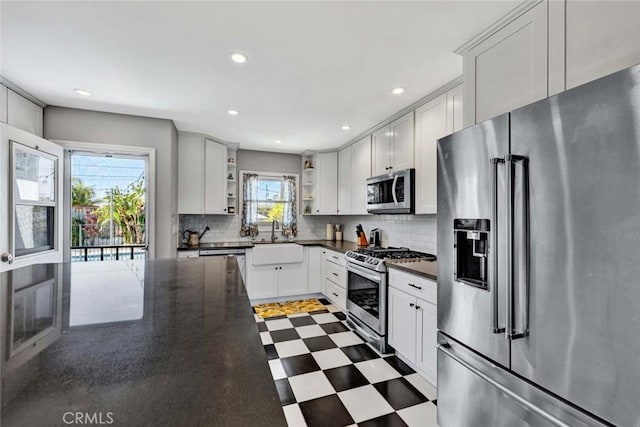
268,197
34,200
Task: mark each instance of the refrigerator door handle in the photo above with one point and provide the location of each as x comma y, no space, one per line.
510,161
493,275
445,348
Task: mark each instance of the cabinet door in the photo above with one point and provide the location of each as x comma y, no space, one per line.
23,114
454,110
508,69
292,279
402,139
315,260
344,181
3,104
327,185
215,177
431,124
381,150
360,171
262,281
402,323
190,174
601,38
426,351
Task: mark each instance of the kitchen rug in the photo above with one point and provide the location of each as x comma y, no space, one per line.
286,308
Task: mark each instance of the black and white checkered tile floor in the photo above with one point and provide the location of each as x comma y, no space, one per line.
327,376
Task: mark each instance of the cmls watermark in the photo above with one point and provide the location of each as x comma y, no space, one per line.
88,418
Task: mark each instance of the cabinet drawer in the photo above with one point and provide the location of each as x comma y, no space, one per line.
336,294
337,274
414,285
336,258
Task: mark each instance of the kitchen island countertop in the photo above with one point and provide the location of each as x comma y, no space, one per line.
177,346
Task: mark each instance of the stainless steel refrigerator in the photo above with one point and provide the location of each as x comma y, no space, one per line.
539,263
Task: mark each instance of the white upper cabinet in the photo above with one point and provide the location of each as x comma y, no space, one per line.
23,114
381,151
360,171
454,110
402,142
202,175
215,177
190,174
508,69
431,124
326,202
3,104
354,164
392,146
601,38
345,186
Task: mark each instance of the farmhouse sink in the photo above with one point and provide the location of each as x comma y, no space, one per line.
277,253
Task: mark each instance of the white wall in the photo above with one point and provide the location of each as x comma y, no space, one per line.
71,124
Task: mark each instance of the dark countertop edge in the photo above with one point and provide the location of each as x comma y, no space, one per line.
340,246
411,267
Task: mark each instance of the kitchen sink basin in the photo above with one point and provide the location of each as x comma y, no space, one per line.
277,253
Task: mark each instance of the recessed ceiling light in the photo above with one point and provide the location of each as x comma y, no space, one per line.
238,57
82,92
397,90
232,112
277,141
345,127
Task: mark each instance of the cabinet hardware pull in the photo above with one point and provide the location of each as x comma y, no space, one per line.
417,307
335,274
411,304
334,294
415,286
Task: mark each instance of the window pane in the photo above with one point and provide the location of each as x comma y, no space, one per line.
270,189
33,312
270,211
34,177
34,229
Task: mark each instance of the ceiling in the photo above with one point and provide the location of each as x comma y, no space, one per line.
313,66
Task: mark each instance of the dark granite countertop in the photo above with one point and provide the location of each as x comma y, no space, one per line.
329,244
427,269
161,343
218,245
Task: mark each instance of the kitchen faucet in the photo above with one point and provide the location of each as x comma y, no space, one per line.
274,227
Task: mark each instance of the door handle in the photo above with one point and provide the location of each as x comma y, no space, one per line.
493,245
511,160
7,257
393,190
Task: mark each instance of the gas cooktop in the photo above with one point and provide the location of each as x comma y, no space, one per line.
373,258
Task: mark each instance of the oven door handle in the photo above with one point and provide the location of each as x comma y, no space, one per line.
367,274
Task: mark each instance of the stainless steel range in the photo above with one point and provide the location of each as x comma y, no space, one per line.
367,290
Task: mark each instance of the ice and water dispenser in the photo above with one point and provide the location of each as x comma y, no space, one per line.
471,245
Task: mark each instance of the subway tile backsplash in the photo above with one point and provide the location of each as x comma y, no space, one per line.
417,232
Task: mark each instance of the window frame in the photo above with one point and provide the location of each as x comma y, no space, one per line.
17,201
266,226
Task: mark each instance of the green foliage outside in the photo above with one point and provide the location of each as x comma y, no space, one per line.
275,212
128,212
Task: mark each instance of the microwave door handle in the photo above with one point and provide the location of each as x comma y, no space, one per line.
393,190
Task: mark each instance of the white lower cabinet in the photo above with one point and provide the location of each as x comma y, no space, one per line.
335,277
275,280
413,319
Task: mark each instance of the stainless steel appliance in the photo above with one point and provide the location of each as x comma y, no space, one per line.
392,193
367,291
375,238
538,231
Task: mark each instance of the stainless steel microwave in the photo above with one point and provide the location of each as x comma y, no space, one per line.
392,193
